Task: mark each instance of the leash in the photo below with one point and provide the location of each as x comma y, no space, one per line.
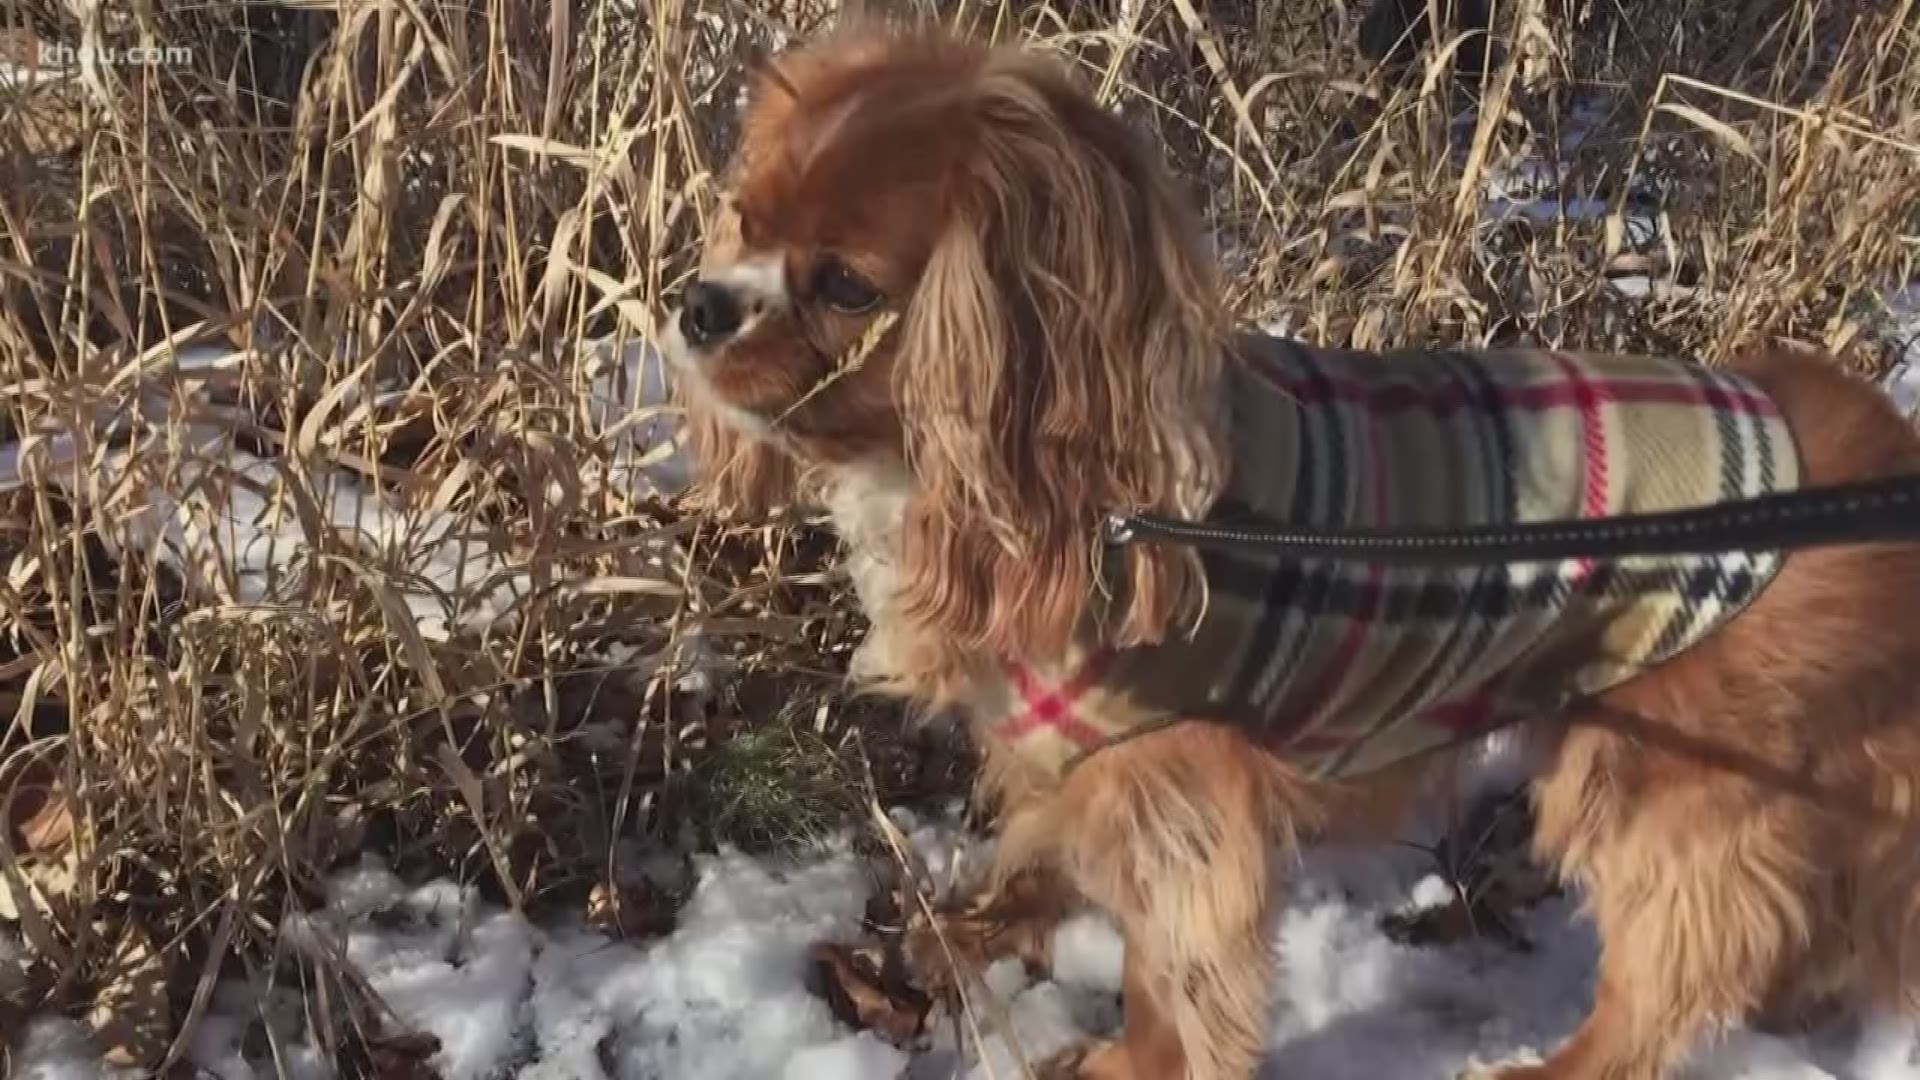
1856,513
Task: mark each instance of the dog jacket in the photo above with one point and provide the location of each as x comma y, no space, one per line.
1349,666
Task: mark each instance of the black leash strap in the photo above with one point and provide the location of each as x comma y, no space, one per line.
1858,513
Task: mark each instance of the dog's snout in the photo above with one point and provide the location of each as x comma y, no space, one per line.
709,313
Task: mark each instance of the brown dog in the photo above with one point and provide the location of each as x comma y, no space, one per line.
958,303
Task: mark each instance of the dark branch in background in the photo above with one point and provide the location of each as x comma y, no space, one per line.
1394,32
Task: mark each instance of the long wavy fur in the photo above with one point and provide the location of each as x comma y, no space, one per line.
1059,361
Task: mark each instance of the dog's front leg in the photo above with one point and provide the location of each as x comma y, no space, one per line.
1149,1046
1172,833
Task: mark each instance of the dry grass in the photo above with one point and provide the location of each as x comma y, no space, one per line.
404,218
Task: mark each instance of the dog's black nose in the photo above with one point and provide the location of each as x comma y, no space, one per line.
709,313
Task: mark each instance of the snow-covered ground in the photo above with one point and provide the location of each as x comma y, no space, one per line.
725,996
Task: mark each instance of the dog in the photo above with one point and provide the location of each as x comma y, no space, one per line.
955,302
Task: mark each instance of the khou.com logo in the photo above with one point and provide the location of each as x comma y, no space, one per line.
54,54
24,53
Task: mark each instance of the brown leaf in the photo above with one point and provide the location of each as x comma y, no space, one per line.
855,988
1485,858
403,1057
30,893
632,911
131,1017
36,809
49,826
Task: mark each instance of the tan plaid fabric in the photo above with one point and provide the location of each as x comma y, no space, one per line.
1353,666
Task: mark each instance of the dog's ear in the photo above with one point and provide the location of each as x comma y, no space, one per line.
1058,361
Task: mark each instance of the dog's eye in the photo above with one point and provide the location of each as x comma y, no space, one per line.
844,290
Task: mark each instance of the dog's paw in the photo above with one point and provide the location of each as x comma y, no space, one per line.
961,941
946,951
1081,1061
869,993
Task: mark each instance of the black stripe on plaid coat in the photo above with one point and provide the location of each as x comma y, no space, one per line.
1351,666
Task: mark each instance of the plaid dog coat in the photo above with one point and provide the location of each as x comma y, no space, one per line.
1350,666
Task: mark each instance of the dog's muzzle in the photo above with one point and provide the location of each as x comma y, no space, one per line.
710,313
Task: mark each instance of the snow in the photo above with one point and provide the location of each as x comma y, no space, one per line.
1029,1025
1901,327
1087,954
861,1057
20,77
216,1045
726,994
225,520
628,391
1531,184
56,1048
447,968
1358,1004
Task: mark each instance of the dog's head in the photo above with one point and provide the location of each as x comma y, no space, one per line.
950,257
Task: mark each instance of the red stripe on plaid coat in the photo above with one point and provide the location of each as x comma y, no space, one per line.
1352,666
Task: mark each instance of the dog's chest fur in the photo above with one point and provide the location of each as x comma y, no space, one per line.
868,505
